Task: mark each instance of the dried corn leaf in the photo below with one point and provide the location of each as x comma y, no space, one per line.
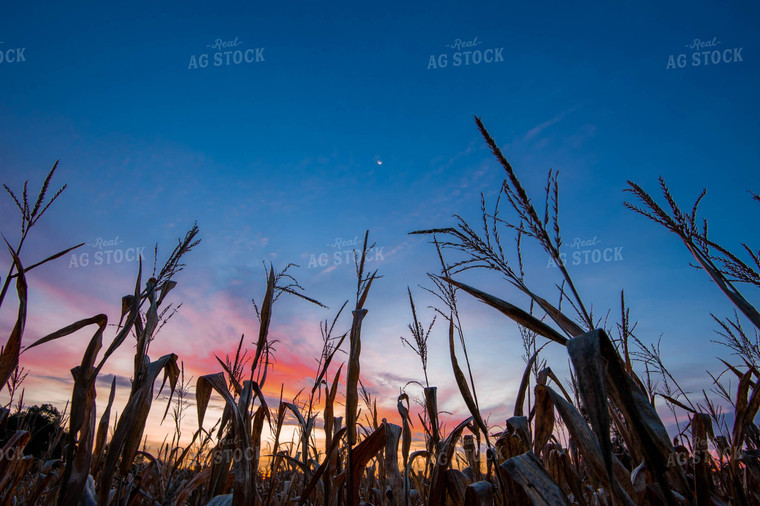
701,427
568,325
407,468
525,319
676,402
464,388
365,292
11,453
132,319
243,489
166,287
69,329
328,360
352,375
726,287
100,438
329,407
590,372
265,317
456,485
10,352
443,459
79,456
82,420
480,493
520,426
528,472
20,472
393,477
524,383
431,406
222,500
332,453
142,393
51,257
255,443
544,419
589,445
644,424
403,411
746,409
189,487
742,401
131,425
733,369
361,455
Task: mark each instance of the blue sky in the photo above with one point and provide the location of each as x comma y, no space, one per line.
276,159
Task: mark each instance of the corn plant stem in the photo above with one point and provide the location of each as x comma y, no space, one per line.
467,361
455,310
8,278
551,249
725,285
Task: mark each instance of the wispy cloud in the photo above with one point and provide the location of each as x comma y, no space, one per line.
540,128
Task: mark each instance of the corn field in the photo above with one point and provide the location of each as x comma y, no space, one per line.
595,439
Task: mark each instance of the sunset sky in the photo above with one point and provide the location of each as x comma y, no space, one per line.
341,118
